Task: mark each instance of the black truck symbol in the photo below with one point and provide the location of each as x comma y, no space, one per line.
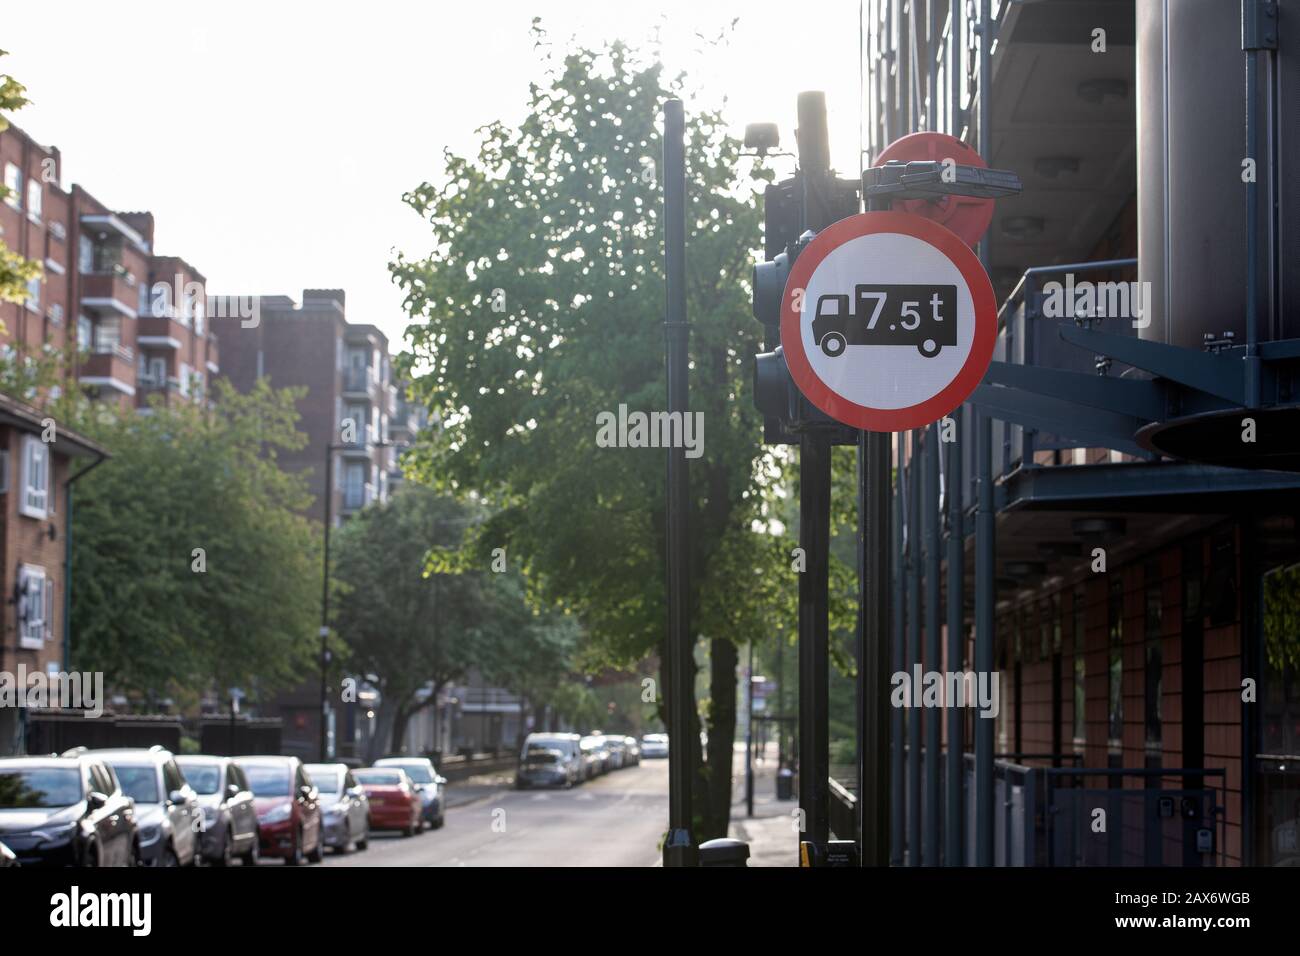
920,315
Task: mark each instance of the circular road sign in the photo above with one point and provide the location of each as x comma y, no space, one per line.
888,321
968,216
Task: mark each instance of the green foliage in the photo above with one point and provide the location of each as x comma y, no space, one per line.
1282,619
557,225
15,271
409,617
181,478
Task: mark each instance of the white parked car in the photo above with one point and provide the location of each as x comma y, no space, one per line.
654,745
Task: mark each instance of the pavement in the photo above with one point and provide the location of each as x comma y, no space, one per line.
772,832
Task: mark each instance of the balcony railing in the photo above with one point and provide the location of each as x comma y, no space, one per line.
1048,816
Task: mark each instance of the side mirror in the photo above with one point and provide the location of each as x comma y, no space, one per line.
95,800
439,779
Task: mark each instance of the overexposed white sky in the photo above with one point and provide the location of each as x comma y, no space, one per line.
273,140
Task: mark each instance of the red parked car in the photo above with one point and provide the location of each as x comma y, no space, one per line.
288,808
394,801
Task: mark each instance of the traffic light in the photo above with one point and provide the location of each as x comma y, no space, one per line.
794,210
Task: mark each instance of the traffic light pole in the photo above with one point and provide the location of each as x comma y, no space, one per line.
814,635
679,847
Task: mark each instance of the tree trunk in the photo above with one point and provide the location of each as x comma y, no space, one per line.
383,732
722,737
402,717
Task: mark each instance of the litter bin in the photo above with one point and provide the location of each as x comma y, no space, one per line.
785,784
724,852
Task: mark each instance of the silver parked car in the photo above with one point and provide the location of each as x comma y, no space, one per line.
654,745
345,808
229,811
550,760
427,781
166,807
617,746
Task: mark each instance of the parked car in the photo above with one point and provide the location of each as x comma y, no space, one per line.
288,808
654,746
229,809
617,748
345,808
394,801
633,751
550,760
7,857
166,807
66,811
595,756
428,784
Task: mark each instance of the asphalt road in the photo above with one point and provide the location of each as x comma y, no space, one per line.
614,820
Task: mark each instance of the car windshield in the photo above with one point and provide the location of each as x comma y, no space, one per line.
418,772
138,782
205,778
326,781
268,781
543,756
43,787
382,778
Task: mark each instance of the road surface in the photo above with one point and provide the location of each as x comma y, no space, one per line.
614,820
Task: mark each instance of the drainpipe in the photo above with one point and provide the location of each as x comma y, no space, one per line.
67,563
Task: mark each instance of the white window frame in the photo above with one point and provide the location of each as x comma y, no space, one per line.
34,606
34,500
14,185
34,195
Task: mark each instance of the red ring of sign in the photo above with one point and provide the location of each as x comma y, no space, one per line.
956,391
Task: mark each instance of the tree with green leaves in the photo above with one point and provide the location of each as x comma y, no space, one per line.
411,618
542,308
15,271
194,567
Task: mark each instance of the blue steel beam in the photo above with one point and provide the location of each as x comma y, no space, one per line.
1141,398
1091,426
1213,374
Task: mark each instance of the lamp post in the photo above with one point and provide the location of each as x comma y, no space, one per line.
330,449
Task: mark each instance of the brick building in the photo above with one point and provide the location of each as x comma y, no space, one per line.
36,478
137,318
137,323
347,414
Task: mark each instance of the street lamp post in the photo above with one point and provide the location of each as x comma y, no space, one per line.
330,449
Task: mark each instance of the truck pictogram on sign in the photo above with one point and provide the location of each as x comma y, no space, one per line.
919,315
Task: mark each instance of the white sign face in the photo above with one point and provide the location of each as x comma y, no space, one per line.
888,321
889,370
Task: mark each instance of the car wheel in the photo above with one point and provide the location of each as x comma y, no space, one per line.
295,856
364,842
347,840
227,857
318,854
169,857
134,858
833,344
408,830
254,853
442,818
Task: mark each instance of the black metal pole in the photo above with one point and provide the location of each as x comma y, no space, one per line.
954,846
814,635
914,718
985,584
874,664
933,641
749,736
679,847
325,594
898,657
